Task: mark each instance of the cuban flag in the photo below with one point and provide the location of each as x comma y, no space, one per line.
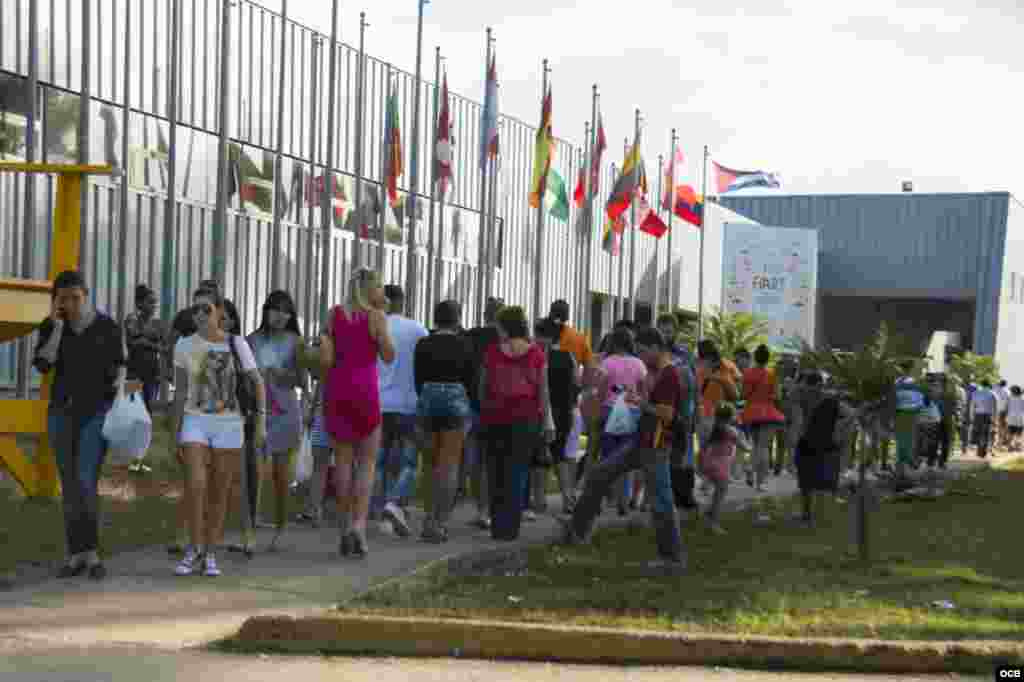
730,179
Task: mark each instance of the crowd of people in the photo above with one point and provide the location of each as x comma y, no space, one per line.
495,410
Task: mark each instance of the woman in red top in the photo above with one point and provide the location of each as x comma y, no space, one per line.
514,410
760,414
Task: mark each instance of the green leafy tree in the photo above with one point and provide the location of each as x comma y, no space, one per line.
969,368
729,331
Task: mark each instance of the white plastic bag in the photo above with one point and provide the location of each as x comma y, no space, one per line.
127,428
304,460
573,453
623,420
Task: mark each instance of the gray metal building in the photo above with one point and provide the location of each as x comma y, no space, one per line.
924,263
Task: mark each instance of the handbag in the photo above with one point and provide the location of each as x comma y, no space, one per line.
244,392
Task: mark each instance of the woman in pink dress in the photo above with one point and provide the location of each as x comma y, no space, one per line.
357,334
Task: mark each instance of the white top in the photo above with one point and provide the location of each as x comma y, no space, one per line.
213,378
984,401
397,380
1002,397
1015,411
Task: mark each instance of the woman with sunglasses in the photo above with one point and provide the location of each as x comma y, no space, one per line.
209,367
277,345
356,335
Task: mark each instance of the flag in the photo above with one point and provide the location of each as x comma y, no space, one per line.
612,240
631,180
653,225
730,180
489,116
392,148
600,144
443,161
579,195
675,159
689,205
543,154
556,198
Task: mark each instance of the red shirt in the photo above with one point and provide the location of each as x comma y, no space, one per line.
667,389
513,386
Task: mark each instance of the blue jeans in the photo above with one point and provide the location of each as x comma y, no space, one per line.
80,450
599,481
396,442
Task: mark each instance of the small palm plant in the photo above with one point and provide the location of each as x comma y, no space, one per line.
729,331
866,376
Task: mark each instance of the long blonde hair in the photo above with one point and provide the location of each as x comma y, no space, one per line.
363,281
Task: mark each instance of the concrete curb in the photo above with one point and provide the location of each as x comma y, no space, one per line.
429,637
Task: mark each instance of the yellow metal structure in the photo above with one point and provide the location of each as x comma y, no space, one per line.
23,305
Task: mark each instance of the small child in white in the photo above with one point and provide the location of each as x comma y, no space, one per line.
717,459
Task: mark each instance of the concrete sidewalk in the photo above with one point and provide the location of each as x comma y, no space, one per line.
142,602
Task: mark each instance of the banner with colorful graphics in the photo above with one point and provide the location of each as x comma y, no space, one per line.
772,272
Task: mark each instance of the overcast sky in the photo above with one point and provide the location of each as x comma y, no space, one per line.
837,97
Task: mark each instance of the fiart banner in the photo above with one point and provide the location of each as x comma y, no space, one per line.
772,272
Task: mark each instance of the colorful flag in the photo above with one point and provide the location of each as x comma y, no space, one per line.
730,179
556,198
580,194
543,154
600,144
444,142
631,180
392,149
675,159
653,225
489,116
689,205
612,240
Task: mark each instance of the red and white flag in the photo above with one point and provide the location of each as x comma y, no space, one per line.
444,142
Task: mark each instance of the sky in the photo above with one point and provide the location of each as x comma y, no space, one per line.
836,97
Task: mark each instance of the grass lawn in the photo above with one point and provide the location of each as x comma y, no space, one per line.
963,548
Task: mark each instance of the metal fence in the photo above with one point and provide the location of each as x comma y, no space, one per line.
136,85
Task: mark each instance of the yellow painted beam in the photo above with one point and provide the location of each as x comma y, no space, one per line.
14,461
22,416
67,224
75,169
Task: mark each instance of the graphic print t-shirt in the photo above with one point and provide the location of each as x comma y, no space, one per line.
213,377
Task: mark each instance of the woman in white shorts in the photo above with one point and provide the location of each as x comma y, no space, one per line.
209,366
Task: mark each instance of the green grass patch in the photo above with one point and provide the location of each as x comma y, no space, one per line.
962,548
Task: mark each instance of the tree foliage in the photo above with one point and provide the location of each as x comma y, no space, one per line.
969,368
729,331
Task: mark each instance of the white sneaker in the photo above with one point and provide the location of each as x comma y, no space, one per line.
529,515
394,514
189,563
210,569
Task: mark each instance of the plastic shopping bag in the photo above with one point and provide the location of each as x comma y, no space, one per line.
127,428
623,420
573,452
304,460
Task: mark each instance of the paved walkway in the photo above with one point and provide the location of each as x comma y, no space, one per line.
142,602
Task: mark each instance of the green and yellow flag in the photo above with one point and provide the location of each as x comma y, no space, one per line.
544,154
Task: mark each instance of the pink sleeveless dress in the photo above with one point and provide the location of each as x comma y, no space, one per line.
352,396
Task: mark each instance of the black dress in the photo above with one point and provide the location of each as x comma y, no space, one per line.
817,452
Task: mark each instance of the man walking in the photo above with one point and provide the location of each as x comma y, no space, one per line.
398,408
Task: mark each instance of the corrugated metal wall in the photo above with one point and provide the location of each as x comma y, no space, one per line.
902,245
1010,337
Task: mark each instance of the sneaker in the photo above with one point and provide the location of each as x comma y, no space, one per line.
529,515
482,521
189,563
358,544
210,569
396,516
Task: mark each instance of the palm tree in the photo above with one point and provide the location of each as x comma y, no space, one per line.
729,331
866,377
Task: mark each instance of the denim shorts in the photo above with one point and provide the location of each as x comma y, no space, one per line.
443,407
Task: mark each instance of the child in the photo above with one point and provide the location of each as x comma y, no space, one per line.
717,459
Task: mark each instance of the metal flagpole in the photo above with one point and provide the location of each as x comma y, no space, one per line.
611,260
581,307
703,221
657,243
384,163
632,233
429,275
481,245
220,220
360,117
279,199
327,195
414,174
593,182
171,206
492,233
539,256
671,296
621,311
